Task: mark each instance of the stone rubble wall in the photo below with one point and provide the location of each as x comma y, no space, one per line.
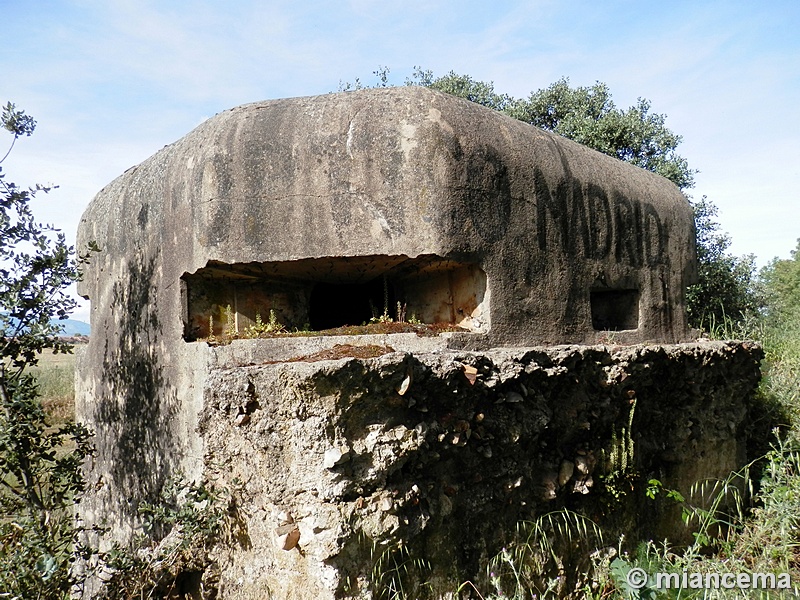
442,453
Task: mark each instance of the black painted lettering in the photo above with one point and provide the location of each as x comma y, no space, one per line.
579,222
624,231
551,209
654,237
601,229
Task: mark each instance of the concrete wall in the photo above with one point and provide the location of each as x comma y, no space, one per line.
279,191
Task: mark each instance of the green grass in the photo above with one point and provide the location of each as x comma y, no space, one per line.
782,369
763,537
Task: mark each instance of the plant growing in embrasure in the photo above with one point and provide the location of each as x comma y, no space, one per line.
230,322
272,326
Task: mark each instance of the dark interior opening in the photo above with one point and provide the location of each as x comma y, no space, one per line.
224,299
188,584
615,310
337,304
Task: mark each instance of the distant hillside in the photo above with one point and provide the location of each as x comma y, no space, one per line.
73,327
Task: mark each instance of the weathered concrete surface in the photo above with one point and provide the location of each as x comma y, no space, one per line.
548,241
446,198
311,207
447,469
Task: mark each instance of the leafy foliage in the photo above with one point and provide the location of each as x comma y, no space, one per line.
726,287
781,336
589,116
746,525
40,466
41,477
463,86
781,280
172,557
586,115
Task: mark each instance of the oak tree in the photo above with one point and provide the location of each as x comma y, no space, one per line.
40,464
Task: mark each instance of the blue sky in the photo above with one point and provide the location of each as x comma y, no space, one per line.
111,82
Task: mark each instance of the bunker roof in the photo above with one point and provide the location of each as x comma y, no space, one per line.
329,208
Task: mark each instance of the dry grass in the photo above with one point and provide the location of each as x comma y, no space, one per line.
55,374
345,351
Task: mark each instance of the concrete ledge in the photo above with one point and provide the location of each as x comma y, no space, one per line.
254,351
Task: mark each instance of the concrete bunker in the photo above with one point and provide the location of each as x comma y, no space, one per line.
329,211
325,293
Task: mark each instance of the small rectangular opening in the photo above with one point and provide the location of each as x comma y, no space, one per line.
615,310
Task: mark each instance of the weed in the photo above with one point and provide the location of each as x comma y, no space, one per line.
211,337
770,539
259,328
173,550
401,312
619,473
396,574
384,318
231,328
749,327
534,562
608,337
400,316
735,528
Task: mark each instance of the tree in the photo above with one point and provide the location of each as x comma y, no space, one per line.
40,466
463,86
586,115
781,335
726,288
781,279
589,116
